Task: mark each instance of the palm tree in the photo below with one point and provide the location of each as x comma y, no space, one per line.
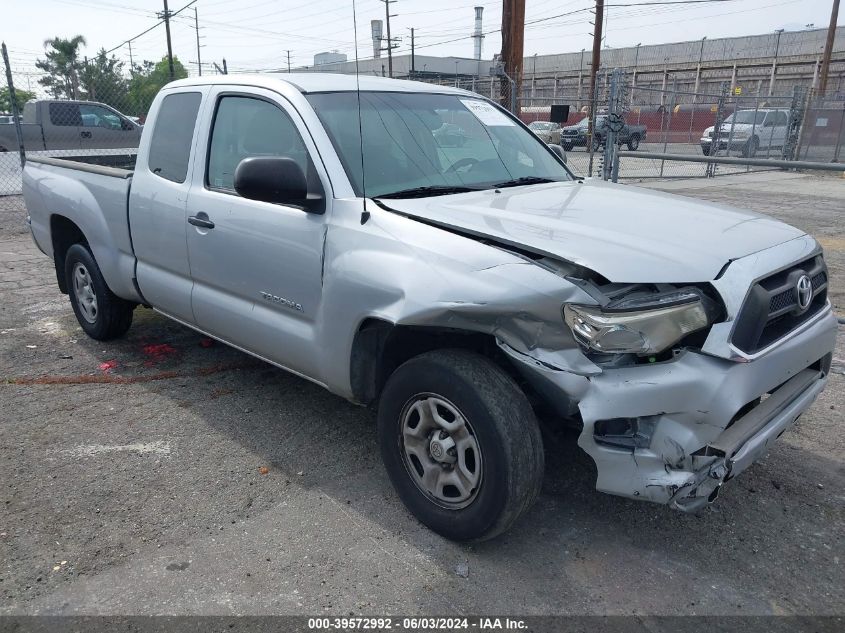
62,66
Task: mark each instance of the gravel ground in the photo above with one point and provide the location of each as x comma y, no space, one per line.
164,474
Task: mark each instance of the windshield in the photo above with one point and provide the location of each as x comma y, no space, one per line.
414,140
746,116
541,125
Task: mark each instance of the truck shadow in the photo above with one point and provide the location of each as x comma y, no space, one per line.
576,547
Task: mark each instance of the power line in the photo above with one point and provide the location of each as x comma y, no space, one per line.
159,23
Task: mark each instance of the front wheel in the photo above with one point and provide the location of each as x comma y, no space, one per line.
102,314
460,443
749,150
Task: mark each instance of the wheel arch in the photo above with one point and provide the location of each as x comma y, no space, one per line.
379,347
64,233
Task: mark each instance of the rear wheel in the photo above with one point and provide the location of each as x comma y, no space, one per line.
633,142
460,443
102,314
566,147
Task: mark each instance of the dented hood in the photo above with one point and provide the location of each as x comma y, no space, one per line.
624,233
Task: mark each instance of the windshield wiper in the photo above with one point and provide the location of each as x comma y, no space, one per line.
424,192
524,180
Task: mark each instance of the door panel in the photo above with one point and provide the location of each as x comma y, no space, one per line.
157,206
103,128
258,272
62,127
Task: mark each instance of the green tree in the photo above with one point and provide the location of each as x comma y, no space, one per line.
62,66
103,80
147,79
21,96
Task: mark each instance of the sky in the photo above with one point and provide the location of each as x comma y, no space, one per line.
257,34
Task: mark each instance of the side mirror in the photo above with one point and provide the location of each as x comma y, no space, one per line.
275,179
557,149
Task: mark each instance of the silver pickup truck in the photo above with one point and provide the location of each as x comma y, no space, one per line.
461,290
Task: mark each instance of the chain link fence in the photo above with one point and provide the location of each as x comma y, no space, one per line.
93,113
96,110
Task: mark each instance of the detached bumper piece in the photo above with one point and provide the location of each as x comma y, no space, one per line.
749,436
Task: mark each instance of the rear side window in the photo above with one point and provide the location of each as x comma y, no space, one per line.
170,147
65,114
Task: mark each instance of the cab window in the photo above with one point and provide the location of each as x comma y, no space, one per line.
245,127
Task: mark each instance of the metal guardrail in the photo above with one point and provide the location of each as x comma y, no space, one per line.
725,160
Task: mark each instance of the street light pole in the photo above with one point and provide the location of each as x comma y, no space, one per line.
533,77
775,62
636,59
580,77
698,70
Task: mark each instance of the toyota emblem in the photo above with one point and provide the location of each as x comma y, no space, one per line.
804,290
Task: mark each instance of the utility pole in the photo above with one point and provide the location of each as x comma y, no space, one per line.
197,27
131,62
387,17
412,53
288,53
225,68
828,47
597,35
513,40
775,62
166,17
591,125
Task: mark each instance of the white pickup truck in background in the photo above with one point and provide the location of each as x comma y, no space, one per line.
328,225
748,131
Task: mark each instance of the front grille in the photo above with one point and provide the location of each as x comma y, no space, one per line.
771,309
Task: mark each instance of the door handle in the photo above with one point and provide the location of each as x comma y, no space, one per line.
201,220
85,134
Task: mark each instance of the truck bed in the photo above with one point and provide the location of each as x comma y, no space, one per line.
94,197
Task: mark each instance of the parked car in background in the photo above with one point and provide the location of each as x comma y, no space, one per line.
546,131
53,124
328,231
6,119
748,131
577,135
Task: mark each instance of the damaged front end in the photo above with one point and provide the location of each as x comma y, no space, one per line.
665,419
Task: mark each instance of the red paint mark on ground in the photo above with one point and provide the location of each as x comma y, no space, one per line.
158,351
108,365
128,380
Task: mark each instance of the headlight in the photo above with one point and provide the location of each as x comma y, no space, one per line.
638,325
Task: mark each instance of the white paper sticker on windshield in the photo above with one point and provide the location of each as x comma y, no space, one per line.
486,112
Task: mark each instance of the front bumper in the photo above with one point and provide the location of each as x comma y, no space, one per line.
704,424
702,421
574,141
734,144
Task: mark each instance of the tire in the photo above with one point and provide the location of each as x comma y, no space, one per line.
749,150
633,143
566,148
102,314
596,144
502,453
